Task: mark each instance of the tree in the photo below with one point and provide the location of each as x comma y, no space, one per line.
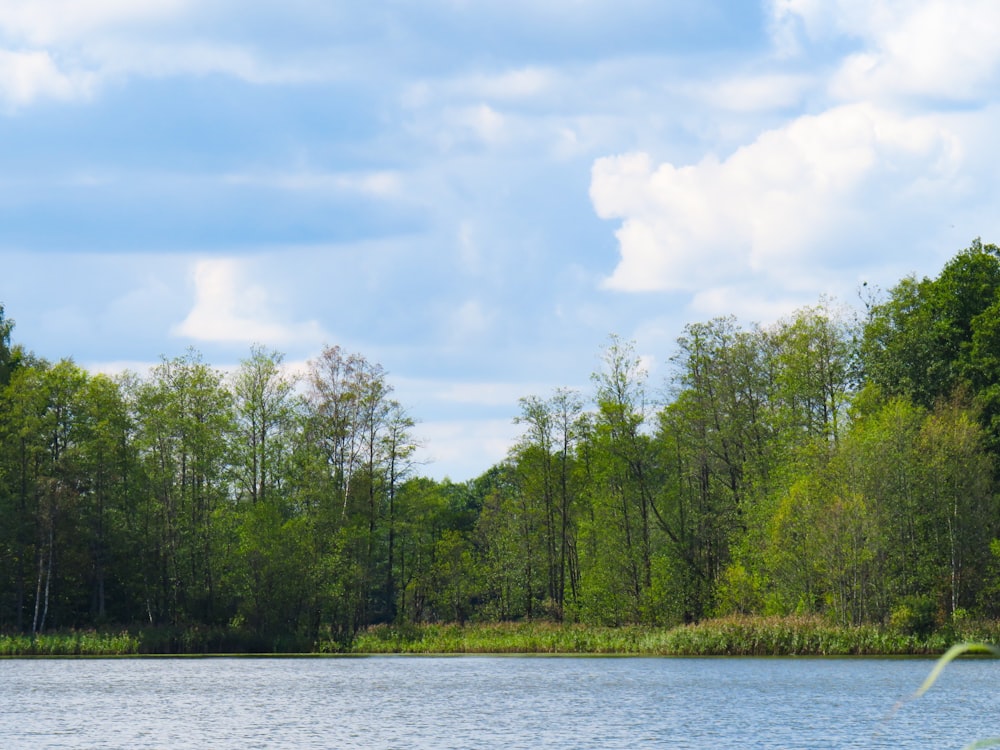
265,407
341,388
106,460
717,437
919,343
42,406
398,448
626,477
814,373
9,356
960,504
542,477
899,512
567,411
359,436
184,423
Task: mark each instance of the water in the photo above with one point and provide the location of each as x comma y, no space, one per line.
492,702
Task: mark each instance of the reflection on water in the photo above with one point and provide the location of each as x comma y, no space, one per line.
492,702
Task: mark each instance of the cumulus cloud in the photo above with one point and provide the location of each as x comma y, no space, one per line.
760,210
31,75
228,308
52,48
938,49
943,49
781,207
47,22
63,49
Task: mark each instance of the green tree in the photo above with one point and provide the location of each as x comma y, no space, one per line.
358,439
265,406
717,438
617,572
398,447
44,483
184,422
931,335
10,355
960,504
426,510
814,373
543,460
106,460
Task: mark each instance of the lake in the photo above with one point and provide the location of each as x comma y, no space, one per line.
493,702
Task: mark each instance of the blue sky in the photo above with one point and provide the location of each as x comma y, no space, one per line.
476,193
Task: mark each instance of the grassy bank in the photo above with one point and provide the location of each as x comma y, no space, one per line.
151,641
73,643
733,636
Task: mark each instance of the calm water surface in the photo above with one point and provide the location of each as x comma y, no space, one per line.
492,702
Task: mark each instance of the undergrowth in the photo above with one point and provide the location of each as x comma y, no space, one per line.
727,636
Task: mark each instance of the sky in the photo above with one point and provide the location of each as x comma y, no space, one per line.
475,194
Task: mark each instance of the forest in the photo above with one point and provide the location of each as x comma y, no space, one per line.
841,463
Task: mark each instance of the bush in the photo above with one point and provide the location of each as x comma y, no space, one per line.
914,615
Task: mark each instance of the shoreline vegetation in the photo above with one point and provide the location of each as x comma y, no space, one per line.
728,636
835,467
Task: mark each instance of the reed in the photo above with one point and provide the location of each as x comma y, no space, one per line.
496,638
943,661
729,636
218,639
70,643
733,636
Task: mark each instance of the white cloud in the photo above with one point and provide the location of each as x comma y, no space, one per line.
46,22
484,122
510,85
935,48
457,395
229,308
762,210
482,394
462,450
64,49
31,75
750,302
939,49
752,93
161,59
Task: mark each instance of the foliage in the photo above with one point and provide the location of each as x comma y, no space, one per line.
74,643
840,472
742,636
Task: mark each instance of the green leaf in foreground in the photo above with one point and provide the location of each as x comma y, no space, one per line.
949,656
946,658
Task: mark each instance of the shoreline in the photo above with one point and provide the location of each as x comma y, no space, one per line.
729,636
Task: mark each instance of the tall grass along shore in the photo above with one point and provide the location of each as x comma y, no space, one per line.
72,643
730,636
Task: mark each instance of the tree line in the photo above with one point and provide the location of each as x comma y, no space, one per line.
839,463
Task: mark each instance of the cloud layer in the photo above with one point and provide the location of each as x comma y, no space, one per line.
228,308
475,194
804,199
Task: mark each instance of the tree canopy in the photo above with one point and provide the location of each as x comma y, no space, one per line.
837,463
